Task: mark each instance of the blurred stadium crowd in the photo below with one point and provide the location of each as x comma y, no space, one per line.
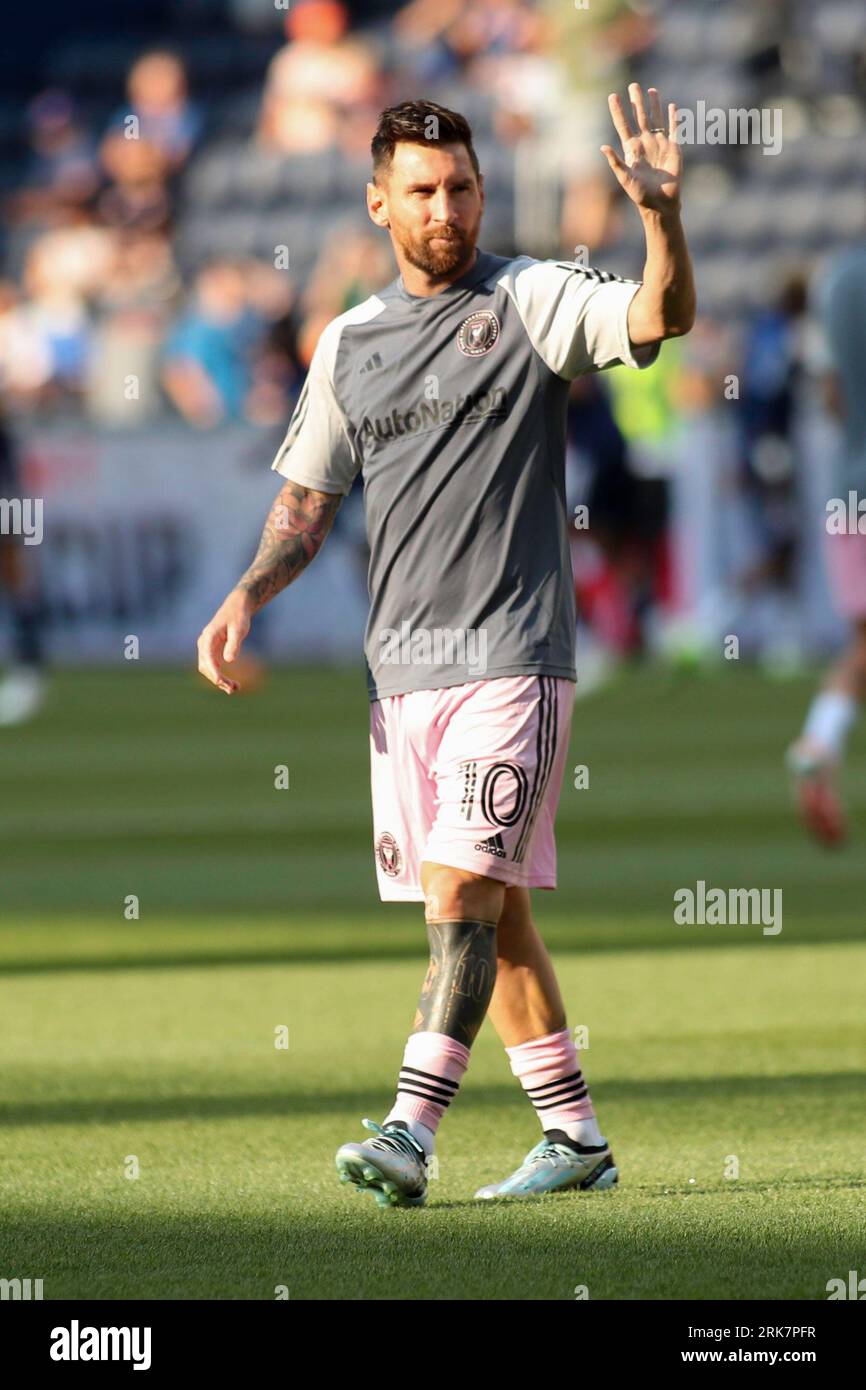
185,205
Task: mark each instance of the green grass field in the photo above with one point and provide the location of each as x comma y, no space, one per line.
154,1038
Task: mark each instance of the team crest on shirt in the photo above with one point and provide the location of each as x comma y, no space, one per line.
477,334
388,854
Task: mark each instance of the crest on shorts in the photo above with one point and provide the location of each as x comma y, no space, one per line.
388,854
477,334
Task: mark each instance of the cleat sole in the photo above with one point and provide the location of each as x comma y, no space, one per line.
366,1178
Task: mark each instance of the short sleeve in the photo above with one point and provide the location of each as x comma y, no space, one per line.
576,317
318,451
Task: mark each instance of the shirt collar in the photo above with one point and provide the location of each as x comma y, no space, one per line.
465,281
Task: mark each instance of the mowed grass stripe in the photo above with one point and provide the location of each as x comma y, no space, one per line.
155,1037
235,1140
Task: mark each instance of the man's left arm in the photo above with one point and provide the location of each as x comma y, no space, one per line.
650,174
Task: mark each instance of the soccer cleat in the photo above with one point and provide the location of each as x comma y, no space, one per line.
556,1164
393,1166
818,802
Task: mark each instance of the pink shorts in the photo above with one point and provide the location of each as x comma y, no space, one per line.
846,562
469,776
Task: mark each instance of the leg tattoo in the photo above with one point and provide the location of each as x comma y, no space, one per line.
460,979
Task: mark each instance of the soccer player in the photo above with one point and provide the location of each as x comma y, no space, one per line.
814,759
448,390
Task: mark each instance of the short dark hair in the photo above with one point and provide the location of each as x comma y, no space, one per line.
412,122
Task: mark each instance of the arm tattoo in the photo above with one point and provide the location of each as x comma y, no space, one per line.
297,525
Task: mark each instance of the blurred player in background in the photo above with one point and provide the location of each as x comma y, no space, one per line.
449,390
815,758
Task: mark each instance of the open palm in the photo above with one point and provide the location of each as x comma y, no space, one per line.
653,161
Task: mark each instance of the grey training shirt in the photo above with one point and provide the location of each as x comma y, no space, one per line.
453,407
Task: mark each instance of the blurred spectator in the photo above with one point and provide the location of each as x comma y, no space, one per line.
148,143
165,118
25,356
256,16
817,757
648,410
62,171
620,556
133,313
138,196
595,46
352,266
322,88
208,361
277,369
441,38
771,380
45,334
709,528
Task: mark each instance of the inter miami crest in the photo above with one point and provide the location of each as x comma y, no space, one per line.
388,854
477,334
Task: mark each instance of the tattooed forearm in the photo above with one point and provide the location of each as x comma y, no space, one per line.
297,525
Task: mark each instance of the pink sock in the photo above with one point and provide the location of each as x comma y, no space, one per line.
433,1066
549,1072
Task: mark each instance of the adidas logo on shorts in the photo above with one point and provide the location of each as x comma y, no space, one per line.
492,845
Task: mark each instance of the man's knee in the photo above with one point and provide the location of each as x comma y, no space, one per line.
462,911
457,895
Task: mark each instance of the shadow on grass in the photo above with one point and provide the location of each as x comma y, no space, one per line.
408,944
807,1090
448,1250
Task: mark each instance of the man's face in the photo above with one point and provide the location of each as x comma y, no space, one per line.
432,204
